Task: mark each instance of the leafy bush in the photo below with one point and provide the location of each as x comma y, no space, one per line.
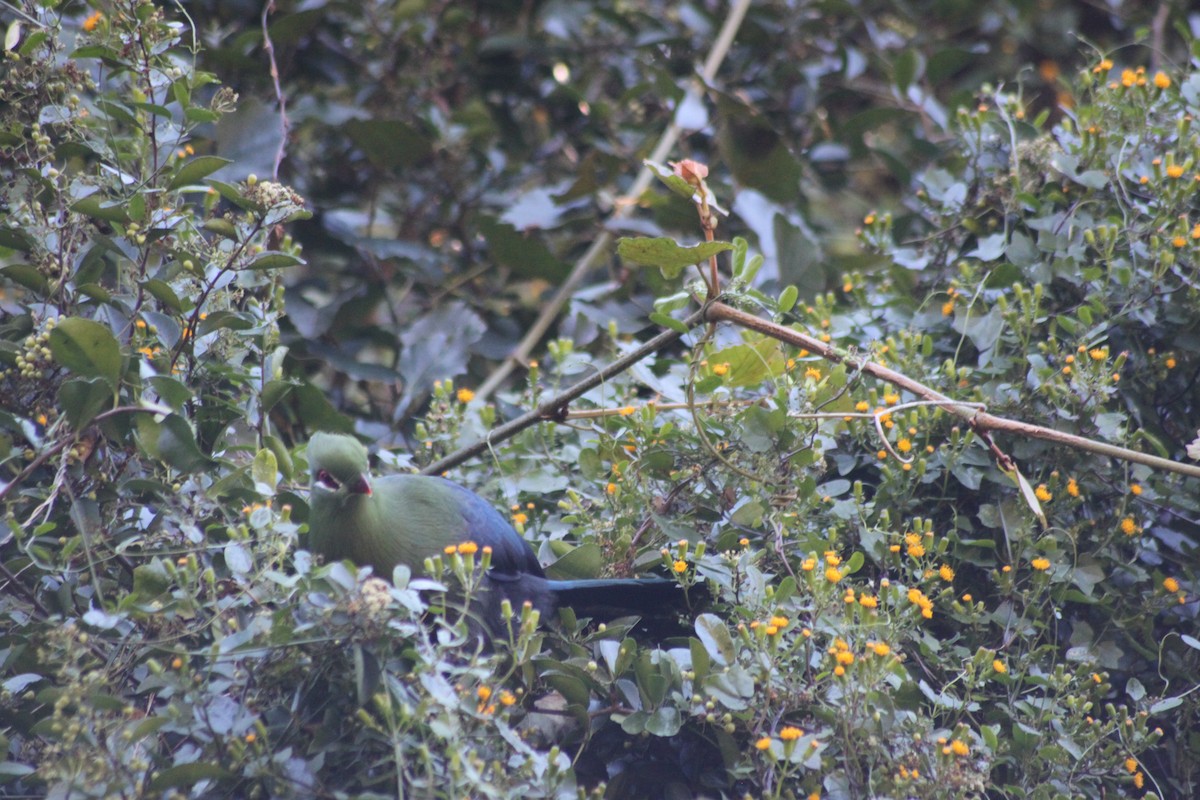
892,614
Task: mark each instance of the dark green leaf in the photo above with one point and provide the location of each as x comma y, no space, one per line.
88,349
196,170
81,399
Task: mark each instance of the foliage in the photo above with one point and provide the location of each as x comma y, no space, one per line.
889,615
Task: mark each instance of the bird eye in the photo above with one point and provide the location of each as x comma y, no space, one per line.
327,480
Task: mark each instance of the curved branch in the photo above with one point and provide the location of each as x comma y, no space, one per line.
970,412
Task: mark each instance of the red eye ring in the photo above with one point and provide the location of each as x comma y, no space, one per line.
327,480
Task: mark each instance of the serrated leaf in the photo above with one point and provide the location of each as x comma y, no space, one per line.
88,349
667,254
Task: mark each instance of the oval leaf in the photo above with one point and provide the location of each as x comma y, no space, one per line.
88,349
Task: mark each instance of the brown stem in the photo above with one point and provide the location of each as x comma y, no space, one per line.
978,419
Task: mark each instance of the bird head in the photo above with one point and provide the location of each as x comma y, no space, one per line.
339,465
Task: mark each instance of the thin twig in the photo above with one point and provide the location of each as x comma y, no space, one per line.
284,125
666,143
556,407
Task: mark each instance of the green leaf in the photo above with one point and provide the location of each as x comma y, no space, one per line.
171,441
584,561
266,469
667,254
751,364
113,211
88,349
163,293
389,143
669,322
665,721
196,170
217,320
26,275
273,259
81,399
714,635
188,775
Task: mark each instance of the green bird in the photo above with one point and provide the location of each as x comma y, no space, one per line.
405,519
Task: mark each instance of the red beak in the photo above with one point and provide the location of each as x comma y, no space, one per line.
360,485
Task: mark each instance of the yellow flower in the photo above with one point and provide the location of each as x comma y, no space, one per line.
779,622
946,572
1128,526
1171,585
680,566
844,657
483,693
862,406
1073,487
904,445
832,558
1174,171
891,398
520,518
611,488
1178,242
763,743
1162,80
1098,353
868,601
880,649
507,698
1139,779
1135,489
1042,493
1040,564
948,308
720,369
808,564
999,666
832,575
1128,78
465,395
91,22
1171,363
470,548
959,748
790,734
1131,765
813,373
966,598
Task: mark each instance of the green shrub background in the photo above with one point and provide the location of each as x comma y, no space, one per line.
996,200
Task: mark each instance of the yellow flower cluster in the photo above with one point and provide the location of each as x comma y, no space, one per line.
918,598
842,656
